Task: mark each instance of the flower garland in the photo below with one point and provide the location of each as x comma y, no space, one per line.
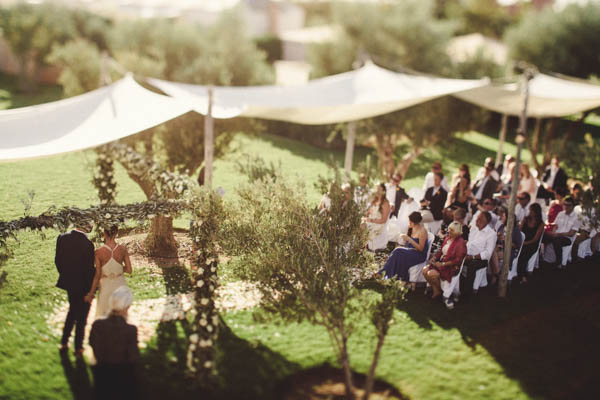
204,231
103,178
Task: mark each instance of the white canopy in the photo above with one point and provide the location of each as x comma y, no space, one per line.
548,97
366,92
88,120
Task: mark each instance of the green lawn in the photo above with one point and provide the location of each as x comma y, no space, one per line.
540,343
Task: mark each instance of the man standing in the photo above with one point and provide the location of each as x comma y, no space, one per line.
485,187
554,177
480,247
74,261
395,194
434,200
436,167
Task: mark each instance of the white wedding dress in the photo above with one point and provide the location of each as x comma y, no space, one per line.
111,279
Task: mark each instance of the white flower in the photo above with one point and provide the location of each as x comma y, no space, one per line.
209,328
203,322
208,364
215,319
204,301
107,215
213,269
103,184
151,216
209,342
200,283
194,338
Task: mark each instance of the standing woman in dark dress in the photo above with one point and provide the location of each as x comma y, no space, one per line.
414,252
533,227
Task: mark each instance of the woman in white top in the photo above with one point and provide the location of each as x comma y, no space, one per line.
527,182
377,216
112,260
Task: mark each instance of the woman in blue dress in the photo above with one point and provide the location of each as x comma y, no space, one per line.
412,253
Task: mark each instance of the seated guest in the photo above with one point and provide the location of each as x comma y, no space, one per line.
586,231
435,168
556,206
434,200
527,182
446,262
507,169
498,256
577,193
480,247
522,206
377,216
488,163
566,225
395,194
533,227
554,177
463,171
115,346
485,187
460,196
458,215
414,252
488,205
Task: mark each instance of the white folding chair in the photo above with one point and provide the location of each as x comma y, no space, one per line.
481,276
415,272
452,287
585,248
513,269
550,254
534,261
433,227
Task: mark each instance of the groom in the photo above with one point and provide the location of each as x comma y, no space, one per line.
75,264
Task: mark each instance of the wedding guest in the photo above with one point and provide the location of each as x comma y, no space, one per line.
566,225
488,205
413,253
112,261
434,200
516,239
459,216
507,168
522,206
556,206
577,193
377,216
533,227
480,247
484,188
461,195
554,177
463,171
74,261
395,194
436,167
445,263
115,345
489,163
527,181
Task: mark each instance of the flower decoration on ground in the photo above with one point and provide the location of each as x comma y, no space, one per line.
104,177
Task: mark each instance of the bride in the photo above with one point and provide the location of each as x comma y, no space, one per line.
112,260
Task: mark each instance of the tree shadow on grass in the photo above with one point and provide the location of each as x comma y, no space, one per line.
545,334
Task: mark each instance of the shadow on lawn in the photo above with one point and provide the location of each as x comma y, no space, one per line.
78,377
545,334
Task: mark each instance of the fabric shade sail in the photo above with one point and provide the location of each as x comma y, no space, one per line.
80,122
366,92
549,97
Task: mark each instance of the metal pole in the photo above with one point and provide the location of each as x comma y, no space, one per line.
526,76
208,141
350,139
499,154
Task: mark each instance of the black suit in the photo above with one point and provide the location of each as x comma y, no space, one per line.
560,180
74,261
488,190
398,199
437,201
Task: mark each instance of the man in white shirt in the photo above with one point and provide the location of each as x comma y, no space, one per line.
522,207
566,225
435,167
488,164
488,205
480,247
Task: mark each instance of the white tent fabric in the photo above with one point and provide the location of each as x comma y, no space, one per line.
366,92
548,97
88,120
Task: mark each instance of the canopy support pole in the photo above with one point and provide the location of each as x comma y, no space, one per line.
502,138
208,141
350,139
528,73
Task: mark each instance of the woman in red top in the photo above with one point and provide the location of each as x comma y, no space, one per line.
555,207
447,260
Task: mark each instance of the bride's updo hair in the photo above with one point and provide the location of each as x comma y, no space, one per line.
415,217
112,231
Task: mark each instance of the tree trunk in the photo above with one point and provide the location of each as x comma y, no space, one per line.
404,164
535,144
161,241
374,362
345,361
385,152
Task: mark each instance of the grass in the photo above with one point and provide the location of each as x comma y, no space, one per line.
539,343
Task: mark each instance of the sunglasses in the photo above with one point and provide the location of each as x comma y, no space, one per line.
487,203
